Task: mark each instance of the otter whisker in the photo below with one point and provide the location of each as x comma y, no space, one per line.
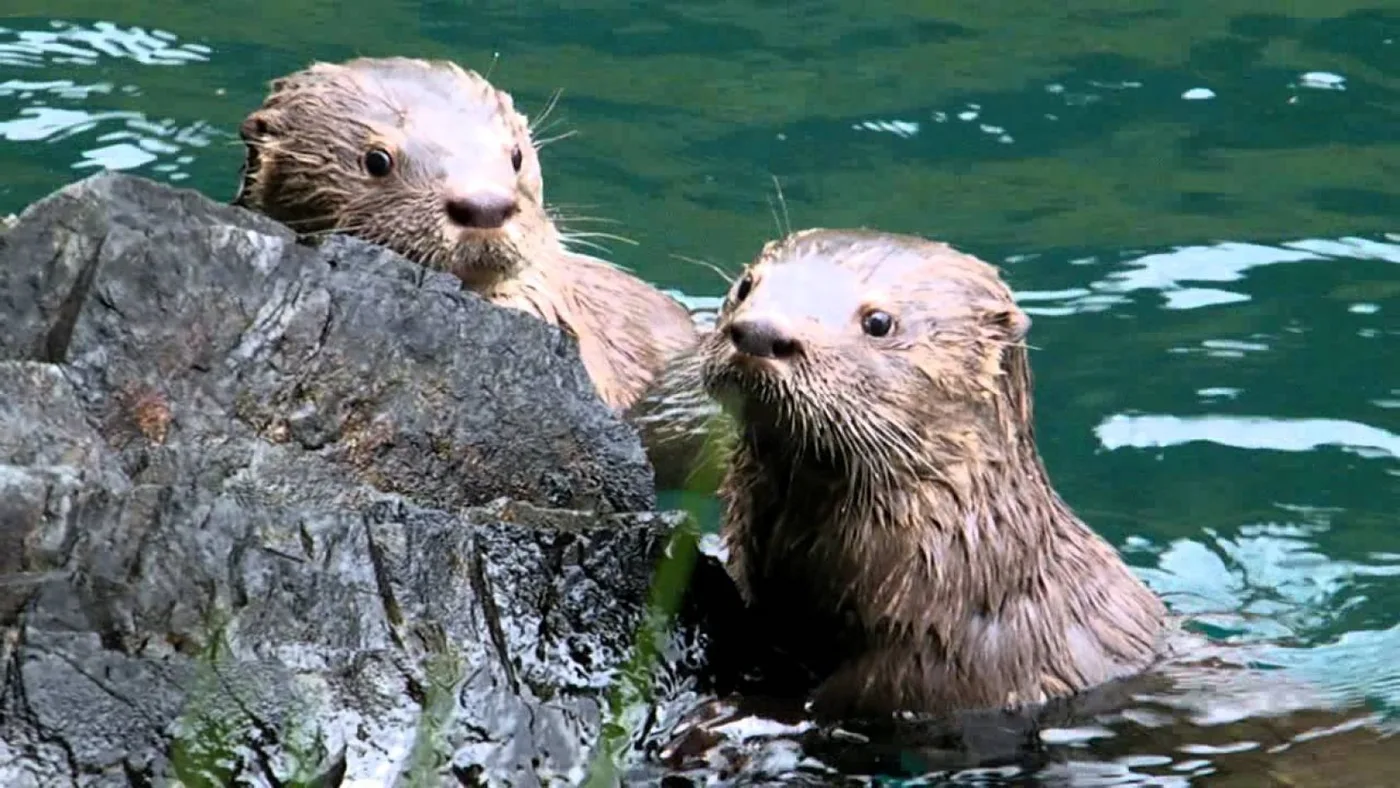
1009,344
548,108
773,211
561,218
726,277
563,135
572,205
571,241
594,234
784,226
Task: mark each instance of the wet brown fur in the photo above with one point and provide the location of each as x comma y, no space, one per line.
887,513
449,129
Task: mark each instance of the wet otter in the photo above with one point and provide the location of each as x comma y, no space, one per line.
434,162
886,510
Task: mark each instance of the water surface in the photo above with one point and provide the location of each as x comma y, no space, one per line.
1197,204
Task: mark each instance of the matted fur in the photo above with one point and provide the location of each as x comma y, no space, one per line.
886,511
449,131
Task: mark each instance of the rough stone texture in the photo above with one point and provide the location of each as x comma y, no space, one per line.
254,526
156,298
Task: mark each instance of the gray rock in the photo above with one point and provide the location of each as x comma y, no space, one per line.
157,298
272,515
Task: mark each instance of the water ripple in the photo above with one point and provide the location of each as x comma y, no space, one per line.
1273,583
1169,272
118,139
70,43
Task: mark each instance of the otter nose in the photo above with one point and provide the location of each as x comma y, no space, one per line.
481,210
762,337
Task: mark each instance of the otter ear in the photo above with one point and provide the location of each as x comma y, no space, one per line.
255,130
246,173
260,125
1012,324
770,248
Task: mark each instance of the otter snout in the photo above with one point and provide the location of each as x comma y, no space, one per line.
483,210
763,337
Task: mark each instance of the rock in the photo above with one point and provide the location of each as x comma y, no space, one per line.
272,515
165,305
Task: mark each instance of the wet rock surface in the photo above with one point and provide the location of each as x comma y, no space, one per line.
153,297
272,515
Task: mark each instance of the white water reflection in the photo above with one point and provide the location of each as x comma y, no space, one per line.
1246,432
48,123
1176,274
901,128
1322,80
133,141
69,43
1221,348
123,139
910,128
1219,392
62,88
1360,660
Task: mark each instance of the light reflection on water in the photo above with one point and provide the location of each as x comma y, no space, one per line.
58,110
67,43
1168,273
1262,581
1247,432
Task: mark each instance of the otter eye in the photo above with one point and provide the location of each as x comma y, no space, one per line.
517,158
877,323
378,162
742,291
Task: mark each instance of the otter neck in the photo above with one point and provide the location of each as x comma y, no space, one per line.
528,283
604,310
975,559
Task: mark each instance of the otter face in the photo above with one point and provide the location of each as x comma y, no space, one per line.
422,157
859,348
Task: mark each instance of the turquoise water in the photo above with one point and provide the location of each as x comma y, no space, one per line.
1198,206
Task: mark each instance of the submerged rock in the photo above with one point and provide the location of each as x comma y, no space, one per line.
272,515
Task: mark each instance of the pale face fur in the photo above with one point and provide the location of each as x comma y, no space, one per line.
886,510
448,135
316,151
906,387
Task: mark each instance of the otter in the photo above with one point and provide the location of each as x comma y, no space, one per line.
434,162
886,512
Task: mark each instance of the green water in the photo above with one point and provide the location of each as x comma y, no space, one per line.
1198,204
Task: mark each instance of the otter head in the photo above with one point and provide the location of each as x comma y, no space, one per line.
423,157
864,351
